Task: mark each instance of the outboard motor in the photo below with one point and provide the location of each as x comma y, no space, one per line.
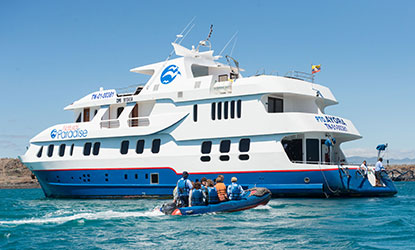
168,208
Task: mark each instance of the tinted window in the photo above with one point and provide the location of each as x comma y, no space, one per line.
124,147
71,151
293,149
205,158
139,149
219,110
62,150
224,157
225,146
154,178
312,151
50,150
239,109
195,113
275,105
244,145
79,118
155,148
39,154
119,111
243,157
213,111
97,145
206,147
87,148
232,109
225,110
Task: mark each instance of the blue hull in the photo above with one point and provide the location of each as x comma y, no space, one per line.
156,182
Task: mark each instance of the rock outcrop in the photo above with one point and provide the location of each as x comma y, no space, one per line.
13,174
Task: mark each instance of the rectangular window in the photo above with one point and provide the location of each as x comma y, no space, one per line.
293,149
39,153
225,146
223,78
86,114
244,145
95,150
139,149
213,111
154,178
312,151
62,150
239,108
155,147
71,151
219,110
206,147
232,109
50,150
124,147
79,118
225,110
87,148
134,114
275,105
195,113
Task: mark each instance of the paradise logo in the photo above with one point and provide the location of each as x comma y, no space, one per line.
68,134
169,74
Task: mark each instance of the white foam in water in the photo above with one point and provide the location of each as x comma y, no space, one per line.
106,215
266,207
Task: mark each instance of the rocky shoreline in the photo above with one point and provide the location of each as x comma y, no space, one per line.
13,174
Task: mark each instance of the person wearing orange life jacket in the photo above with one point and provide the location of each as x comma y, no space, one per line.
221,189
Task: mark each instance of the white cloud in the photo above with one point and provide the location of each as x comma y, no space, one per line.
390,153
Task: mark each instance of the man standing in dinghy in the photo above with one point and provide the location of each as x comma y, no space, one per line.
235,191
184,185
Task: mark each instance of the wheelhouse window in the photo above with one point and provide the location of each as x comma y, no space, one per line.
62,150
294,149
95,150
312,151
195,113
155,147
239,108
275,105
139,149
119,111
71,151
39,153
124,147
87,148
50,150
213,111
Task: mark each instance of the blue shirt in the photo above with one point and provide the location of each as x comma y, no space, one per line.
187,183
379,166
241,191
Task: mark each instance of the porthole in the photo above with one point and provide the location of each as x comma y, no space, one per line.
243,157
205,158
306,180
224,157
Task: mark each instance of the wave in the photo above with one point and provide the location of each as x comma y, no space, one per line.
105,215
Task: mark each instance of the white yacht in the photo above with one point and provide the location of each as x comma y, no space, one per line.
198,115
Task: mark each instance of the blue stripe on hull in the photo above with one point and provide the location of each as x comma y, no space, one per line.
137,182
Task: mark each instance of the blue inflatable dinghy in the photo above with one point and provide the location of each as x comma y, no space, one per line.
252,198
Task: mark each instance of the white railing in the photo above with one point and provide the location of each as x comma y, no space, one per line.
114,123
139,122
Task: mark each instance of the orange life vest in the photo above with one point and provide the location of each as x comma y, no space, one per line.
221,189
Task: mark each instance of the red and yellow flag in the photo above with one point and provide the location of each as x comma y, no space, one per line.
315,68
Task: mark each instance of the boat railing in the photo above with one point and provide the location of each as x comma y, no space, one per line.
138,122
300,75
113,123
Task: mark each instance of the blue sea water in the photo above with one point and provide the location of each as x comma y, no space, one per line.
30,221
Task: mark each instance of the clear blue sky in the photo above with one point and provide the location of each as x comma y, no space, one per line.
55,52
